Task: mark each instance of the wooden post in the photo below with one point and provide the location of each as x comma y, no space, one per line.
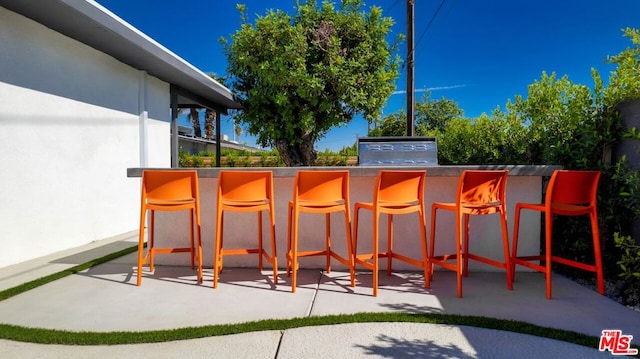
410,66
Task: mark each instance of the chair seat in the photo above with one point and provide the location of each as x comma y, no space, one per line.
169,190
245,191
475,208
478,193
395,192
320,204
569,193
566,209
311,192
245,203
171,202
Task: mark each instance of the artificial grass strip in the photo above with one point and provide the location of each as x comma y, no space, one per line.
51,336
8,293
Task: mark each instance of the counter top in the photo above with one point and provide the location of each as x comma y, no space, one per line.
371,171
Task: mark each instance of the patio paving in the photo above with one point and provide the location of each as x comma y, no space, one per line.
105,298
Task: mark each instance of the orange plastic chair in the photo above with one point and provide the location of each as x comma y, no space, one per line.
478,193
395,192
318,192
569,193
169,190
245,191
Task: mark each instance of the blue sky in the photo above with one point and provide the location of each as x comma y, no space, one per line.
477,53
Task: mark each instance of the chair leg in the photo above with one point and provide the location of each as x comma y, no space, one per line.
350,250
514,249
432,235
217,265
294,251
192,252
459,259
272,222
327,238
389,243
199,250
595,232
354,233
465,241
260,249
151,244
375,250
425,255
548,258
289,239
505,246
141,246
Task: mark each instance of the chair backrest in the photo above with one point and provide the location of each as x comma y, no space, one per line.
399,186
573,187
170,185
321,186
245,185
485,186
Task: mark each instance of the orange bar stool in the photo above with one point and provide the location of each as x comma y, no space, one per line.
169,190
245,191
569,193
395,192
318,192
478,193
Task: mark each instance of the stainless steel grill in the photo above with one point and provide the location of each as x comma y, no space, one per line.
397,151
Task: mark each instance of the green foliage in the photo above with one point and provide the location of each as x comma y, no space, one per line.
330,158
235,152
301,75
391,125
485,140
349,150
206,154
431,116
624,83
629,264
270,159
619,197
434,115
232,159
558,115
185,159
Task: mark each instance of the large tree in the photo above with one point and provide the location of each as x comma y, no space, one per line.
301,75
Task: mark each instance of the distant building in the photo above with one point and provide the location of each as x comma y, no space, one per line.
195,145
83,96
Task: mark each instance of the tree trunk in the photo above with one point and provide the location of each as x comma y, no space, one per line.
237,129
209,123
195,121
302,154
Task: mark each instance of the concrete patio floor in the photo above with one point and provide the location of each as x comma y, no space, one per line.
105,298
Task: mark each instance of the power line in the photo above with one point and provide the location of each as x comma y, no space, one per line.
433,17
431,21
394,5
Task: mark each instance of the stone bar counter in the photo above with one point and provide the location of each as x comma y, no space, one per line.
524,184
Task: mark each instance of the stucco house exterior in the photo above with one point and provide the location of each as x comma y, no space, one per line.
83,97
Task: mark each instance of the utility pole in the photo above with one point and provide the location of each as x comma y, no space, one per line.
410,66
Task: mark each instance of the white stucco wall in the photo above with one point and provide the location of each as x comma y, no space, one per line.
69,128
